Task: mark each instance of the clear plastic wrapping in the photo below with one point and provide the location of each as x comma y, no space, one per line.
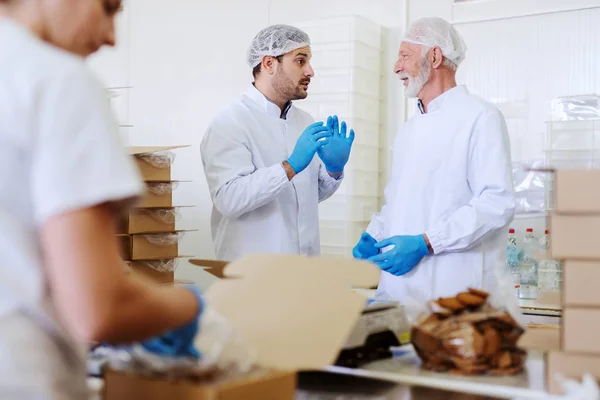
166,265
165,215
161,188
576,108
162,159
530,186
223,355
473,333
164,239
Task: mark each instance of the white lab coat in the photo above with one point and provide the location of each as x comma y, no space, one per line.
256,209
451,179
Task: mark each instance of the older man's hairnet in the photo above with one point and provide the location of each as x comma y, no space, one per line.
432,32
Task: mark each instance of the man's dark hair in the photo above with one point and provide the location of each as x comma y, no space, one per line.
256,70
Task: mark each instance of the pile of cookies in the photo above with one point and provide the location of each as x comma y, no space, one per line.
465,335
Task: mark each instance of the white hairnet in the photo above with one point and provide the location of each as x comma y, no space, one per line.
275,41
432,32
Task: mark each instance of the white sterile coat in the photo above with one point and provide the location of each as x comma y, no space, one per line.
451,179
256,209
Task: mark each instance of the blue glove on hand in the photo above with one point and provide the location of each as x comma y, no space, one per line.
407,253
307,145
336,152
178,342
365,247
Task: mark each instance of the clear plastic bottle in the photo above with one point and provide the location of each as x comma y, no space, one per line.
528,267
549,275
512,259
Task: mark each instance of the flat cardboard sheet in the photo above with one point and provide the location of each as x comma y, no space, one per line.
213,267
296,312
577,191
580,283
580,330
575,237
136,150
572,366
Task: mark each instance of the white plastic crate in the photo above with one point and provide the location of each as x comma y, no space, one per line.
363,158
337,251
346,80
573,159
343,29
573,135
360,183
320,106
345,55
348,208
341,233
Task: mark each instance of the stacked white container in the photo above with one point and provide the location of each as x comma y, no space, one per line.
347,56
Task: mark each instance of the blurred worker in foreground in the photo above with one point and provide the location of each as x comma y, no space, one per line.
65,180
259,155
450,195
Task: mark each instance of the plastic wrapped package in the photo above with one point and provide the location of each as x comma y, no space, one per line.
576,108
223,355
162,159
166,265
530,186
161,188
164,239
164,215
473,333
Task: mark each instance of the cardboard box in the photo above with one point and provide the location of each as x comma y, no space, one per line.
213,267
267,386
577,191
150,200
147,220
151,171
580,330
575,237
580,283
142,268
572,366
138,247
295,312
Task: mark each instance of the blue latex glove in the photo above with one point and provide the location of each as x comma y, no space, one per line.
336,152
365,247
178,342
407,253
307,145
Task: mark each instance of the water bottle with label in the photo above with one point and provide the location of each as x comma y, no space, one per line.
512,259
528,267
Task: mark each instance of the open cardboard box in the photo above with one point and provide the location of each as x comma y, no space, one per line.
142,220
295,312
138,246
149,171
150,199
213,267
141,268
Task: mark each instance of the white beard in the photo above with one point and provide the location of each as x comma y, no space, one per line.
416,84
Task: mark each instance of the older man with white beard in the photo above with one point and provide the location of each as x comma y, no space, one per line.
450,196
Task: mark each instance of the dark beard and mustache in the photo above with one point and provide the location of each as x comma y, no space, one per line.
287,89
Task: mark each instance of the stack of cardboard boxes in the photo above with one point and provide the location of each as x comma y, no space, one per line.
148,237
575,227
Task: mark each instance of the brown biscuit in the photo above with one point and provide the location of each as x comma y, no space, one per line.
492,341
502,360
451,303
478,292
470,300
